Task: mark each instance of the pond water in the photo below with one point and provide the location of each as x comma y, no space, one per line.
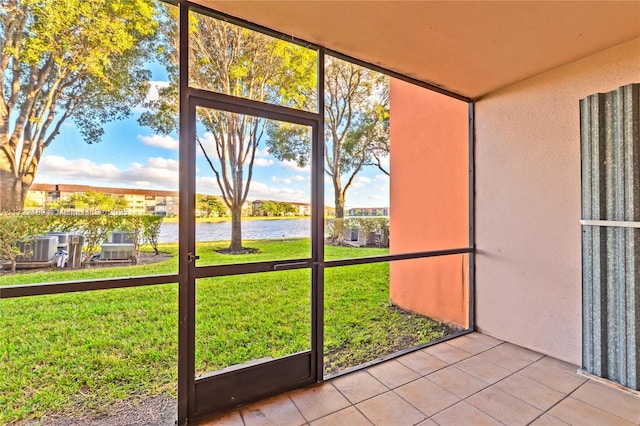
251,230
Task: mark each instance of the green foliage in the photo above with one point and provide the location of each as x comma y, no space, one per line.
210,205
93,201
275,208
77,59
16,228
286,208
151,231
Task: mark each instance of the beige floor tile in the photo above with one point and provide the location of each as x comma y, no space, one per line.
468,344
349,416
506,408
232,418
576,412
548,420
508,356
464,414
427,422
278,411
447,353
534,393
457,382
359,386
390,409
609,399
483,370
426,396
553,378
560,365
393,374
523,352
484,338
319,401
421,362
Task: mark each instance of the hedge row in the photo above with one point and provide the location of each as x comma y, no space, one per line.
95,228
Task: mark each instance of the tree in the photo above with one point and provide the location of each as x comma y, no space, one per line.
270,208
18,228
93,201
210,205
76,59
239,62
285,208
356,127
151,231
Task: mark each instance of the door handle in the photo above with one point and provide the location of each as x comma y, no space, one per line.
192,257
292,265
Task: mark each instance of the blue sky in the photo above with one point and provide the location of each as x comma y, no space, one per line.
132,156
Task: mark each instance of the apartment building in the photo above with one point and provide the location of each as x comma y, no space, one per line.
49,197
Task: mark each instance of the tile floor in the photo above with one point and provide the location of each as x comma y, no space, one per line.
471,380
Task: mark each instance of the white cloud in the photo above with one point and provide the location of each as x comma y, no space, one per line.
160,141
360,182
262,191
293,166
157,172
209,143
299,178
257,191
382,177
207,185
263,152
152,94
277,179
384,162
262,162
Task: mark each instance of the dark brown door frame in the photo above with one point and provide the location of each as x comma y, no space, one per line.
218,391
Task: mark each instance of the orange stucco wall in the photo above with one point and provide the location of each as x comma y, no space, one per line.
429,201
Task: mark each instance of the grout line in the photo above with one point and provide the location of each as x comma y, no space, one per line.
295,405
567,395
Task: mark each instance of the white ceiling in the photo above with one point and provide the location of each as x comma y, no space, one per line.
468,47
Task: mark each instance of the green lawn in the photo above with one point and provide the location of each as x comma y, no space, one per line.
81,352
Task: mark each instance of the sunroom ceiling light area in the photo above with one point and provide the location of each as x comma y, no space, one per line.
470,48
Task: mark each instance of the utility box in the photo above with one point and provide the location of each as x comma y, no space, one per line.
111,251
122,237
74,247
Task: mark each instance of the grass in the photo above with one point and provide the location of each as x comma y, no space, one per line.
81,352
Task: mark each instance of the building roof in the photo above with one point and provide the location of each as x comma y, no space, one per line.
103,189
469,47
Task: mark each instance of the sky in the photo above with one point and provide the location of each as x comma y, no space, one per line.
132,156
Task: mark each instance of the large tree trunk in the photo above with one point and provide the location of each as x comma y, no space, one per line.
338,199
13,191
236,229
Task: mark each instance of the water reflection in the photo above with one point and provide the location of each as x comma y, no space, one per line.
251,230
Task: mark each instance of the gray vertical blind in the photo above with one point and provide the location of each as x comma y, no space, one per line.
610,144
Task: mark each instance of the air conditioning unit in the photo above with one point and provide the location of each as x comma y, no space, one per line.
122,237
63,238
112,251
41,249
